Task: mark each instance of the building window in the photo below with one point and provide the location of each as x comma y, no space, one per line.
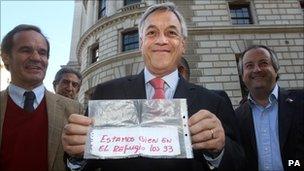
102,8
240,14
129,2
130,40
302,5
94,53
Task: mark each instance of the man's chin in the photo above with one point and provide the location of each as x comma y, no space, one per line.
259,87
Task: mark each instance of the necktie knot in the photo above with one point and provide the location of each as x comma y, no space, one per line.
29,101
158,85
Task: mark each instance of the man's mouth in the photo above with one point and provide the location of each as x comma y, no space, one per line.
162,50
257,77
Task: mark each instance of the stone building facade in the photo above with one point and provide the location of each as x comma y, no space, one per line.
104,37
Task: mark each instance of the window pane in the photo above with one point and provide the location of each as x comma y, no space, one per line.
128,2
240,14
101,8
130,40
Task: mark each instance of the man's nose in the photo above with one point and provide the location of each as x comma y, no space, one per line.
256,68
35,55
70,86
162,39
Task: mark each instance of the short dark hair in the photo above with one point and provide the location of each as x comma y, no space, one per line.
63,71
7,42
184,63
273,57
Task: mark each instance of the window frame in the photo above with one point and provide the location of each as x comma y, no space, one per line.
94,49
123,44
239,6
130,2
102,6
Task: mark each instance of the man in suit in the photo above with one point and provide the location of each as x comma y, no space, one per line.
271,119
162,32
67,82
31,118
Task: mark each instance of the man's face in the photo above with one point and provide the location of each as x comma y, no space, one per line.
28,59
258,72
68,86
162,43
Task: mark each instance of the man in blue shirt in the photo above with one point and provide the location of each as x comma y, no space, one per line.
271,119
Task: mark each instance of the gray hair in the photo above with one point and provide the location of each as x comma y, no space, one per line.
63,71
167,6
273,57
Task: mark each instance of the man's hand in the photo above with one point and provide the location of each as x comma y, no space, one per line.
207,132
74,134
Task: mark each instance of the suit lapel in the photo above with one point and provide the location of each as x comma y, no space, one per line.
285,117
135,87
53,108
185,90
3,99
250,132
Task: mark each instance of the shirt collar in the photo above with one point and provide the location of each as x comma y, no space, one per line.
171,79
273,95
17,92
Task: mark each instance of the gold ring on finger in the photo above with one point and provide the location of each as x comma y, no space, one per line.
212,132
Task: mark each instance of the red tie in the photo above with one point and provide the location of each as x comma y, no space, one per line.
158,85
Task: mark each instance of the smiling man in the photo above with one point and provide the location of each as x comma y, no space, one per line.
31,118
271,119
162,32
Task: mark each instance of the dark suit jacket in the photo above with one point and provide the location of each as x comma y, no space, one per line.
133,87
224,95
291,129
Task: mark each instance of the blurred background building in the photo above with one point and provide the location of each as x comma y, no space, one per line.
104,42
5,76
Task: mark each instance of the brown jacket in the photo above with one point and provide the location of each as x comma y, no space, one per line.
58,110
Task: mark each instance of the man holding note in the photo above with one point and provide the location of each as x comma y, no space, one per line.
162,32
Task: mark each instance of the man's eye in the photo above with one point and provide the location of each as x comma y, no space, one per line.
150,33
26,50
75,85
42,52
248,66
263,64
172,33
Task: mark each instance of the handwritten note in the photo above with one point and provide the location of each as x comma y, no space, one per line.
145,141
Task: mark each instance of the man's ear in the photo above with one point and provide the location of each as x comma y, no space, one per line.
183,46
54,86
5,59
140,43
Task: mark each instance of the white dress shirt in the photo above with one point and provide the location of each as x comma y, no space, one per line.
171,81
16,94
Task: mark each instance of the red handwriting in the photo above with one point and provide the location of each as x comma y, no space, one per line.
104,148
147,139
124,148
107,139
166,140
135,145
168,149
